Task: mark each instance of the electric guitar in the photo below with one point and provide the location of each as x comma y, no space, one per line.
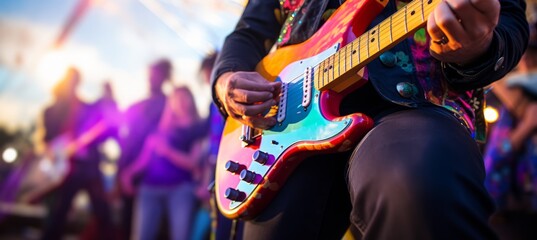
55,164
253,164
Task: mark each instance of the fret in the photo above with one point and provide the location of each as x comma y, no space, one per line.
373,41
384,34
331,69
325,72
422,13
391,29
429,7
326,75
367,47
358,53
317,76
364,49
398,31
405,20
348,59
412,14
354,54
337,65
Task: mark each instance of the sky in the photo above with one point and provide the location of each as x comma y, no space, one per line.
114,40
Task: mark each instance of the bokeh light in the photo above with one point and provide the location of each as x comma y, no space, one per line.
491,114
10,155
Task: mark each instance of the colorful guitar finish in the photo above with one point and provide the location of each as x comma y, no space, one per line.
315,76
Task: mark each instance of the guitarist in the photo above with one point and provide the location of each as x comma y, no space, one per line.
418,174
69,117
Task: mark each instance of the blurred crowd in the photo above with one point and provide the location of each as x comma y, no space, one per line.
165,166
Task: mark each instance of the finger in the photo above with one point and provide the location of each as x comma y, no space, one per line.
255,109
447,22
252,81
489,8
435,47
260,122
250,97
462,10
432,28
436,35
474,23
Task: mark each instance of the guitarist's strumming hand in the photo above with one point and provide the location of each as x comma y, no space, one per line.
246,96
461,30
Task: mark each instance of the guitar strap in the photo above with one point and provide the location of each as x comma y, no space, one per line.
303,18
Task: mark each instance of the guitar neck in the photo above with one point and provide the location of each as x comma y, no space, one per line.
86,138
334,71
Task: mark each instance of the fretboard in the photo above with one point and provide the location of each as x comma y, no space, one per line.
356,54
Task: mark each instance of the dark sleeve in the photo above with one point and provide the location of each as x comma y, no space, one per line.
509,43
48,129
247,44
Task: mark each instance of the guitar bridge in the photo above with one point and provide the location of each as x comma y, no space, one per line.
249,135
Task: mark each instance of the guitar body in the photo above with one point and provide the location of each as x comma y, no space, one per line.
55,165
304,130
50,171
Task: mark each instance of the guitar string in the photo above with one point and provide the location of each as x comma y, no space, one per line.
381,27
292,92
383,37
414,21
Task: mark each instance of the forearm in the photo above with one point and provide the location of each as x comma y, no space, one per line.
518,137
247,44
179,158
140,163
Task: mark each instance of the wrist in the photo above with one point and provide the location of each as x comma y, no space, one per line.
219,91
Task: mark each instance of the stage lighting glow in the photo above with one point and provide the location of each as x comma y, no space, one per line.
491,114
51,68
9,155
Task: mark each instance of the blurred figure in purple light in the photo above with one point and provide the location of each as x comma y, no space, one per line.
71,136
141,119
166,164
208,219
511,153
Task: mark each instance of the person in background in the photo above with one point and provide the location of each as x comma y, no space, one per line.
105,108
213,223
140,119
418,173
511,152
72,119
165,165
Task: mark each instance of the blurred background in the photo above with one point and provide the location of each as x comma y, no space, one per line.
108,41
115,50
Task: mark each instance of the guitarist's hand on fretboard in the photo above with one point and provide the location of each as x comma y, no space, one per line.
461,30
246,96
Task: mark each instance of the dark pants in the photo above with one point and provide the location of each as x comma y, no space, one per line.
313,204
126,215
417,175
84,176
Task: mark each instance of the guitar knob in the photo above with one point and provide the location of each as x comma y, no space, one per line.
260,157
234,194
233,167
248,176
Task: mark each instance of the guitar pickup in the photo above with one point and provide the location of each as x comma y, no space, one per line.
282,105
306,87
